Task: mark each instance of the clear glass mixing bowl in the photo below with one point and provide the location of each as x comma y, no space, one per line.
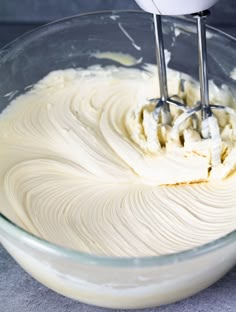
104,281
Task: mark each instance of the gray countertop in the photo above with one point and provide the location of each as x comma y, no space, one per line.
18,291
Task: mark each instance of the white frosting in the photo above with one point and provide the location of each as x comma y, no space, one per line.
84,165
121,58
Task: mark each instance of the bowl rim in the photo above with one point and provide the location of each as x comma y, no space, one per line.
15,231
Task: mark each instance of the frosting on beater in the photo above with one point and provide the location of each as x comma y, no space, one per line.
84,165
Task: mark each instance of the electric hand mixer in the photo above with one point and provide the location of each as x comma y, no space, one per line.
210,128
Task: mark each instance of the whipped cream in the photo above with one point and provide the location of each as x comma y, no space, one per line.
84,165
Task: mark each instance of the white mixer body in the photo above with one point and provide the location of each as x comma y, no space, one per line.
175,7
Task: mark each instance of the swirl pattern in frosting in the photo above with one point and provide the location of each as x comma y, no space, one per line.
80,166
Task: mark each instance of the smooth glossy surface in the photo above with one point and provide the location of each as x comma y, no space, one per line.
178,7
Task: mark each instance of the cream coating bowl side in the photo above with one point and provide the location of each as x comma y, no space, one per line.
104,281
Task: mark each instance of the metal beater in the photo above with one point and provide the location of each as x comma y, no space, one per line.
210,128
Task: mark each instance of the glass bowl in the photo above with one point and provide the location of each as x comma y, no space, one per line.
105,281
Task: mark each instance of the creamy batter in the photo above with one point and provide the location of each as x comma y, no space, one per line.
83,165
